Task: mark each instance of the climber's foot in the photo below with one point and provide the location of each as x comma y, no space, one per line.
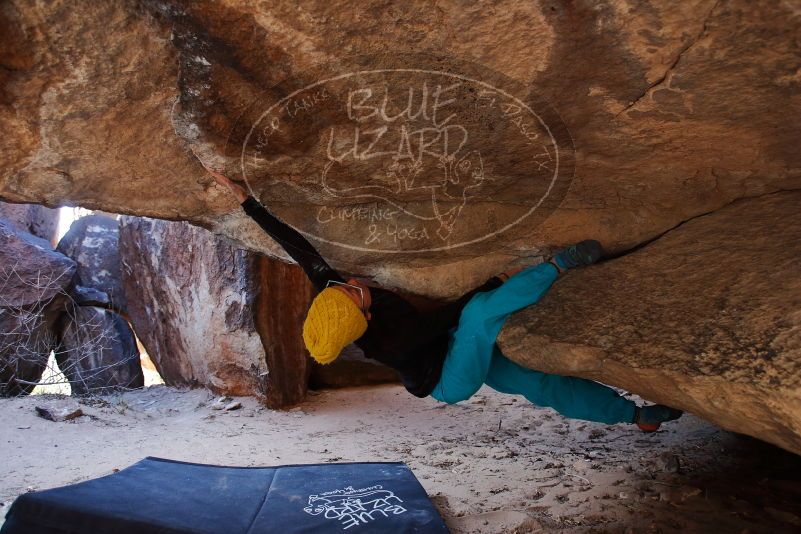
586,252
649,418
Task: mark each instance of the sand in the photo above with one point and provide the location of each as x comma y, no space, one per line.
492,464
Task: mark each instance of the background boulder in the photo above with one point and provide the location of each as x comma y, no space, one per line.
97,351
211,315
92,242
32,218
34,281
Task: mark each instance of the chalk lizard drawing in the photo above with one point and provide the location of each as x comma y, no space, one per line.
448,194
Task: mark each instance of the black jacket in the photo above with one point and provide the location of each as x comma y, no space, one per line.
398,335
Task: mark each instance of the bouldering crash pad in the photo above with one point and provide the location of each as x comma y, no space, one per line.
165,496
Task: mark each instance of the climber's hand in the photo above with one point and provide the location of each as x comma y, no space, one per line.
238,191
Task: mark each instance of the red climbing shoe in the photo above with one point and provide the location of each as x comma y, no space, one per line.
650,418
646,427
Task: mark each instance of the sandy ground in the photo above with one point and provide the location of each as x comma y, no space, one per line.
492,464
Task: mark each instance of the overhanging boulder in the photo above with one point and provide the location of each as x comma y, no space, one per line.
487,135
657,113
707,318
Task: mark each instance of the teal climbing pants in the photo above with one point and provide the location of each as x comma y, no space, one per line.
474,359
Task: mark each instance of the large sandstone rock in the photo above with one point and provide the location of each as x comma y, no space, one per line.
617,119
707,319
283,294
97,351
213,315
32,218
92,242
34,281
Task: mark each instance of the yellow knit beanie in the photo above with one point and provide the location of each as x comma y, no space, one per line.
333,321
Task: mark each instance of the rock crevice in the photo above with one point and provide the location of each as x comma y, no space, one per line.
659,81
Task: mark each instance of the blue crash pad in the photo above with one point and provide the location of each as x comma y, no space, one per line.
169,497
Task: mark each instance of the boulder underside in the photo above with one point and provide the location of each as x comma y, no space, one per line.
492,133
707,319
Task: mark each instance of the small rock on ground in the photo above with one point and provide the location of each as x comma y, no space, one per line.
59,412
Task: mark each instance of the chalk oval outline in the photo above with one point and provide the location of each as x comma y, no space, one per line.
419,71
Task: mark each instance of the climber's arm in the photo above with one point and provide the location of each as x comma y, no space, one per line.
298,248
316,268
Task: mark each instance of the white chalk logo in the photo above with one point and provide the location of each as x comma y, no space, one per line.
354,507
407,159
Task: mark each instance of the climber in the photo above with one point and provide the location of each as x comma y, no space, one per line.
448,353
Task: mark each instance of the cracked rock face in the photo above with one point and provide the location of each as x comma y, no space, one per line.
707,319
424,146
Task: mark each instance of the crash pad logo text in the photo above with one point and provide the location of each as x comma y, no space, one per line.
354,507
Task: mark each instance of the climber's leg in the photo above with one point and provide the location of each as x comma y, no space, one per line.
470,353
463,372
577,398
